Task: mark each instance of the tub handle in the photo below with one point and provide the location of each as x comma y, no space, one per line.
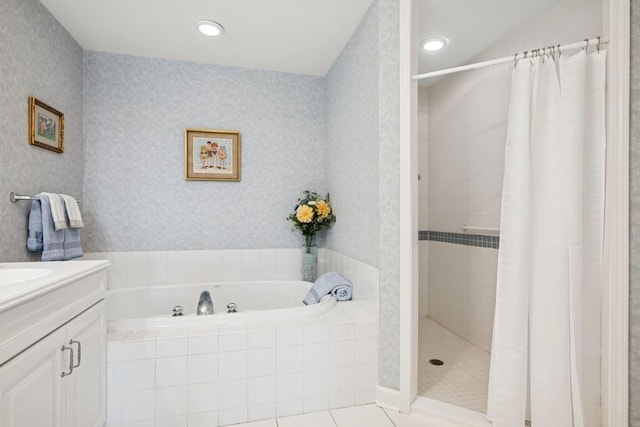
232,307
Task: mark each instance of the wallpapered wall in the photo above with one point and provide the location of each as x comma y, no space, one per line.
363,163
634,241
136,112
389,176
38,58
353,142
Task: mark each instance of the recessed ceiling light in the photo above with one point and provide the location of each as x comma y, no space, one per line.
209,28
434,44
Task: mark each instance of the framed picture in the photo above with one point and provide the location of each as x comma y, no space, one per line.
46,126
212,155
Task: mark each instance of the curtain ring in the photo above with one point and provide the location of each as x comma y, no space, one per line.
515,60
598,45
586,48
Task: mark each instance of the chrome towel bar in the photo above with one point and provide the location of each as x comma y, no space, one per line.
14,197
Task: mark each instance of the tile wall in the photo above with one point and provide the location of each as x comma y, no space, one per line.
242,373
462,287
139,269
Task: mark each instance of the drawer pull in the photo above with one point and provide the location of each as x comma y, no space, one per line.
72,342
63,349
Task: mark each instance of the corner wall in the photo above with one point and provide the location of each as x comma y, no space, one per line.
38,58
363,163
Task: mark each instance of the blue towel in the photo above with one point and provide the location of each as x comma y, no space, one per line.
329,283
52,240
72,246
34,241
55,245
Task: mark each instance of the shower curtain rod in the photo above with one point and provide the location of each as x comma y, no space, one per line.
528,54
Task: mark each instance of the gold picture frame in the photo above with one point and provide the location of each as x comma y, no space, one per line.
212,155
46,126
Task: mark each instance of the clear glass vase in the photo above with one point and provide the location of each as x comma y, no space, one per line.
309,259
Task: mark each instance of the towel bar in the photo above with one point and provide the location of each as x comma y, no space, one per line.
14,197
466,227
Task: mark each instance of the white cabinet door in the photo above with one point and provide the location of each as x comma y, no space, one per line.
87,385
31,386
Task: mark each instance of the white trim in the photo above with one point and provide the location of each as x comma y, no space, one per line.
615,314
408,259
388,398
449,412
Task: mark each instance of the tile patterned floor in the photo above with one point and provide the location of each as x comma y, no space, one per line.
355,416
463,379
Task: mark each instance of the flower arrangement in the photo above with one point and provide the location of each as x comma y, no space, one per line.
312,214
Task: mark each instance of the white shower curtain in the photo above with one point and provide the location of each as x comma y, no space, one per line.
545,357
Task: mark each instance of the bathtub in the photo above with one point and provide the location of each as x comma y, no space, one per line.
143,308
276,357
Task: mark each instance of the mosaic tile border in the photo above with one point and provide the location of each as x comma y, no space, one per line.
492,242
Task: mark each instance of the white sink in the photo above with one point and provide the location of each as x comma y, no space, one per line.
9,276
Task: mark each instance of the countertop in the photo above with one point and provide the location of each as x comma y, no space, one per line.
57,275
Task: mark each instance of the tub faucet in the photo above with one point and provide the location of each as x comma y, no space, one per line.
177,311
205,304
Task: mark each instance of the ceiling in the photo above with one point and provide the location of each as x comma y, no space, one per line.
471,27
296,36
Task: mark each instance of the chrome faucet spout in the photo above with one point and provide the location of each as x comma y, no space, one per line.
205,304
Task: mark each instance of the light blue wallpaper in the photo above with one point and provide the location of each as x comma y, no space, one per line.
37,58
634,240
389,176
363,163
136,111
353,143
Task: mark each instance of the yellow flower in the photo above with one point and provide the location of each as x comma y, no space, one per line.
323,208
304,214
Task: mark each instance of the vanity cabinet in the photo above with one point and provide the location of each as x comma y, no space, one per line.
31,387
87,384
35,392
59,378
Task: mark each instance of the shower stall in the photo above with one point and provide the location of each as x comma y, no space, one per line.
463,126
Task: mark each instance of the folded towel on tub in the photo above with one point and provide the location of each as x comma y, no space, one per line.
329,283
73,211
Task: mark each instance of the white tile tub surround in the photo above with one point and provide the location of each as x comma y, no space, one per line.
231,374
135,269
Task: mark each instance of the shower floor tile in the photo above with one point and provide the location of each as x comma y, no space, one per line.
463,378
